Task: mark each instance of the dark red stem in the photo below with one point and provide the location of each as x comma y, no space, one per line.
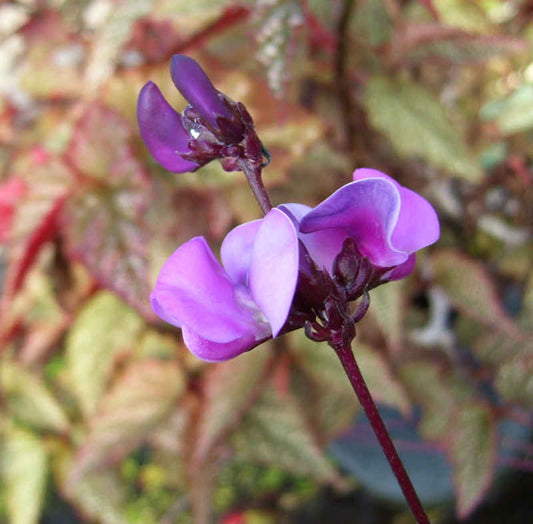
345,354
253,175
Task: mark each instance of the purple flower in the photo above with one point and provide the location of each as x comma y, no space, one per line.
388,223
211,127
297,267
226,310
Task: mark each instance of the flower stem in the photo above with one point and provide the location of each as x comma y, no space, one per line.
253,175
345,354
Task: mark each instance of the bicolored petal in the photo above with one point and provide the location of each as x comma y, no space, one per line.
418,224
366,210
237,249
197,89
162,130
274,268
215,351
194,291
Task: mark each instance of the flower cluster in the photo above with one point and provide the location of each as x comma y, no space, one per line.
298,267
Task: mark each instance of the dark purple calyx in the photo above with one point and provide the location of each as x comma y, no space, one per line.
233,140
323,302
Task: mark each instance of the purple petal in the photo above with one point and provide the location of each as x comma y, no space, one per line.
274,268
197,89
162,130
295,211
323,246
402,270
236,251
193,291
418,224
216,351
367,211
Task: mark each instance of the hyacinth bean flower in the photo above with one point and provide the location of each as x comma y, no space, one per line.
226,310
211,127
387,221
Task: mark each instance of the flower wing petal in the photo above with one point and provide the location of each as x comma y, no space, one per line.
216,351
197,89
274,268
366,210
418,223
162,130
193,291
236,251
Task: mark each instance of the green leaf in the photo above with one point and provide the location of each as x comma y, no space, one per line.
465,15
381,381
470,289
513,114
328,411
387,308
140,400
320,362
24,472
371,22
274,433
321,387
472,451
104,328
514,380
229,392
429,389
417,125
104,218
29,400
101,496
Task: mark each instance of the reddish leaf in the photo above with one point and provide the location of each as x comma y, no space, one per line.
448,44
470,289
472,451
11,192
35,221
230,390
103,221
99,141
140,400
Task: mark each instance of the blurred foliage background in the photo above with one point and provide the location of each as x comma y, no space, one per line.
105,416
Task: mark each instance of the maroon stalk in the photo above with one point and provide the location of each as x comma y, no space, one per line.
253,176
344,352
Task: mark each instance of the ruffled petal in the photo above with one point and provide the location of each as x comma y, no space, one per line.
236,251
418,224
193,291
197,89
274,268
367,211
162,130
215,351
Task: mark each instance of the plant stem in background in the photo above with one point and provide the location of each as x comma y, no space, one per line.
345,354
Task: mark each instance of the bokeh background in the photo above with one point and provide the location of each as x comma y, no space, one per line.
104,415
